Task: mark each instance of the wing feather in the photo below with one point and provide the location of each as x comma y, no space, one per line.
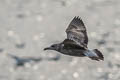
76,31
71,44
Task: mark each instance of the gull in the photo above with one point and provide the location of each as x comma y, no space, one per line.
76,42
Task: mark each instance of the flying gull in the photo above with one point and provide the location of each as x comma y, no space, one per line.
76,42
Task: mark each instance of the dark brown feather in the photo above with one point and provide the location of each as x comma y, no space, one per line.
76,31
100,55
71,44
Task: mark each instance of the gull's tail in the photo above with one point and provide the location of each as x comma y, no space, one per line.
94,54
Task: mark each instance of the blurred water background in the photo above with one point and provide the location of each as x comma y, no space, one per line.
27,26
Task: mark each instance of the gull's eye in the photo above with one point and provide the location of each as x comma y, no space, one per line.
52,46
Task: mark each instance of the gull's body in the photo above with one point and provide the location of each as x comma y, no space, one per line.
76,42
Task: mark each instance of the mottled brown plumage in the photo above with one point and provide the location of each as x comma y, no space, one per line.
76,31
76,42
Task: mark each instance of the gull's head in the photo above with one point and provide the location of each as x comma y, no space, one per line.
53,47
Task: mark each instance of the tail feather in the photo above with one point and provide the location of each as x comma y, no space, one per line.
99,54
94,54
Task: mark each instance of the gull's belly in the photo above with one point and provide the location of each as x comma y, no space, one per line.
73,52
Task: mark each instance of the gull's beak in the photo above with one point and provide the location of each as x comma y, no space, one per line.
48,48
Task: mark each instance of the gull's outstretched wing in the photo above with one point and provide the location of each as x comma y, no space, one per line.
70,44
76,31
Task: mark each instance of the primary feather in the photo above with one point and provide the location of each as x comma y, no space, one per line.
76,31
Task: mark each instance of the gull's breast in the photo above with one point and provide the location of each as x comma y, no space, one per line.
73,52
